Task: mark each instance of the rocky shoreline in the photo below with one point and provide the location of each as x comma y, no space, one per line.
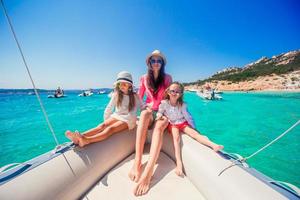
284,82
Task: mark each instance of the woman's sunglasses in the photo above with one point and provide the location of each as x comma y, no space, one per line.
153,61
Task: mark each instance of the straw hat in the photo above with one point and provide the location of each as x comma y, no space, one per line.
124,76
156,53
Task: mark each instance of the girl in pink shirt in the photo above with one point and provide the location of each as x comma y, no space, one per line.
153,84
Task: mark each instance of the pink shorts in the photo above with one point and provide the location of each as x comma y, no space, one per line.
180,126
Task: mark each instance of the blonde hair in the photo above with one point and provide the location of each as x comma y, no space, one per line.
180,99
120,94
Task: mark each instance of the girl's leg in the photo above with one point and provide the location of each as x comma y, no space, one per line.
143,184
116,127
177,148
202,139
73,136
99,128
146,118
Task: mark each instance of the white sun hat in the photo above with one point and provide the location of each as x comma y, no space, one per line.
156,53
124,76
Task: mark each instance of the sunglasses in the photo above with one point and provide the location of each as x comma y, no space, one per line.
177,92
153,61
124,84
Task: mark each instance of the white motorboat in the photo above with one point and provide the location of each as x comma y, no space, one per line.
102,92
86,93
56,96
209,95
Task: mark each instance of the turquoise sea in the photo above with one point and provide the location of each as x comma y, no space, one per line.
242,122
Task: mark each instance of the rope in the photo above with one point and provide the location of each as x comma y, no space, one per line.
269,144
243,160
28,71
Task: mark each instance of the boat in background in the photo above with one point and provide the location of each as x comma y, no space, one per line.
59,93
102,92
192,90
218,92
56,96
86,93
209,95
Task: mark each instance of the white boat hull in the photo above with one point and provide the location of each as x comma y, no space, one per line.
78,175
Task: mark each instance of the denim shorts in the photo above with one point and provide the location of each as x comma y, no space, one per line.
154,113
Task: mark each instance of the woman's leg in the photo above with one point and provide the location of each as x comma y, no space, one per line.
116,127
177,148
202,139
143,184
141,133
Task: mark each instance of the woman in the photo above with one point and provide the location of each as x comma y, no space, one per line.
153,84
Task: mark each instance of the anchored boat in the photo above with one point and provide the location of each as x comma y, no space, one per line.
209,95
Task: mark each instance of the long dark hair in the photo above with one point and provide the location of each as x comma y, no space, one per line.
180,99
152,83
120,94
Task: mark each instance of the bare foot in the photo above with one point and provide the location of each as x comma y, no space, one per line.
179,170
142,186
135,173
71,136
218,148
82,141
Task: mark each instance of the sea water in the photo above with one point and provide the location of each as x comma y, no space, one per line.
242,122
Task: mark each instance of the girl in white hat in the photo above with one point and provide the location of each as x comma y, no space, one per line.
120,113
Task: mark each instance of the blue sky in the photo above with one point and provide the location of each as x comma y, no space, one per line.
85,43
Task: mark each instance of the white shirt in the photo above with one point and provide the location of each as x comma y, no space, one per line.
122,112
175,114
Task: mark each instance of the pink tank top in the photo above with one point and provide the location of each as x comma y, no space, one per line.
150,97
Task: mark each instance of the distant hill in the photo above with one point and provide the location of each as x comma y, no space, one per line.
280,64
281,72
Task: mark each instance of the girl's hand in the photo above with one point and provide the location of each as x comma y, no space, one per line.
158,116
149,109
150,105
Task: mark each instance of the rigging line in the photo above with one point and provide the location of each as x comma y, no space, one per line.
243,160
28,71
280,136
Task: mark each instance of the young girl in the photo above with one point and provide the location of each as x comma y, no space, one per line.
180,120
124,102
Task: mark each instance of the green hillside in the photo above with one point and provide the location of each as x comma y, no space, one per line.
262,68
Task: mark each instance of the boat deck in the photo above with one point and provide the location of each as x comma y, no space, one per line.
165,183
